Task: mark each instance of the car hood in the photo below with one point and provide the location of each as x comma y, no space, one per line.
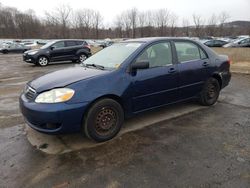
29,51
63,78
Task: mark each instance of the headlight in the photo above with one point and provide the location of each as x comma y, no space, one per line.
32,53
55,96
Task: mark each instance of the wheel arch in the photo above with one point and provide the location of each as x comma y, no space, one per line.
82,51
108,96
218,77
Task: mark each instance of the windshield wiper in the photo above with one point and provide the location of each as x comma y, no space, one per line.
95,65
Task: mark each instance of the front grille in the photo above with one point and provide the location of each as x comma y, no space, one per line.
30,93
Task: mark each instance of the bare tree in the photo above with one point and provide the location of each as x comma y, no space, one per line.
132,16
186,27
212,25
126,23
162,17
119,26
60,18
198,22
63,22
97,19
223,18
142,22
173,24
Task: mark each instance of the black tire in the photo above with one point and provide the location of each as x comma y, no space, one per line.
103,120
42,61
5,51
210,92
82,57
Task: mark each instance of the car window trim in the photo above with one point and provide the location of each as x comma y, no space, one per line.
189,41
151,44
60,47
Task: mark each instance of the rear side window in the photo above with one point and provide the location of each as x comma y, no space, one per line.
79,43
187,51
70,43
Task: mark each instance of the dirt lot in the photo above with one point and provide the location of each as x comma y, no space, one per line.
236,55
208,147
240,58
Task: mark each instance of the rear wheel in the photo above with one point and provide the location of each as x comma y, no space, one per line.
104,120
210,92
43,61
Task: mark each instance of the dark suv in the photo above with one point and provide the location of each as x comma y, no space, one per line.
59,50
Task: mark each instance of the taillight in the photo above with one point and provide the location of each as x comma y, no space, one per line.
229,61
87,46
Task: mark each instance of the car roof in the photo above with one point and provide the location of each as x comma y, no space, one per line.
59,40
154,39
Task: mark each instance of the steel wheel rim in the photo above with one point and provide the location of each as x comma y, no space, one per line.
43,61
106,121
82,58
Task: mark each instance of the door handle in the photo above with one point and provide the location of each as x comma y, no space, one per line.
205,64
172,70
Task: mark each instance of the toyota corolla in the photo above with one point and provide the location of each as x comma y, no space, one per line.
120,81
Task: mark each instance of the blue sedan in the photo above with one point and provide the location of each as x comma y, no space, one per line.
120,81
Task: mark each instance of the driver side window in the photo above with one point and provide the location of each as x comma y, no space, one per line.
157,55
58,45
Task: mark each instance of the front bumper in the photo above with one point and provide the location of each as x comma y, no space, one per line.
53,118
28,58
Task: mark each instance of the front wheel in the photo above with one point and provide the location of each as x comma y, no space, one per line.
43,61
104,120
5,51
82,58
210,92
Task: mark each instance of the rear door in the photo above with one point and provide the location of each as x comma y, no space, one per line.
192,65
157,85
71,49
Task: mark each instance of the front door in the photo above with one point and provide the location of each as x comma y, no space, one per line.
57,51
157,85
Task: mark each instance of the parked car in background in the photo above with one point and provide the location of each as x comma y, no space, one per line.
243,42
123,80
59,50
13,48
103,43
29,44
215,43
43,42
92,43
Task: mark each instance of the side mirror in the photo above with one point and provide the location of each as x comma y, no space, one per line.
52,47
140,65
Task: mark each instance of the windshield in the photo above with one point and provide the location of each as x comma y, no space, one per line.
47,45
112,57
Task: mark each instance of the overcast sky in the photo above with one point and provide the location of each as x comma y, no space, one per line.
238,9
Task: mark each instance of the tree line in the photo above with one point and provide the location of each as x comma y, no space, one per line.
64,22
